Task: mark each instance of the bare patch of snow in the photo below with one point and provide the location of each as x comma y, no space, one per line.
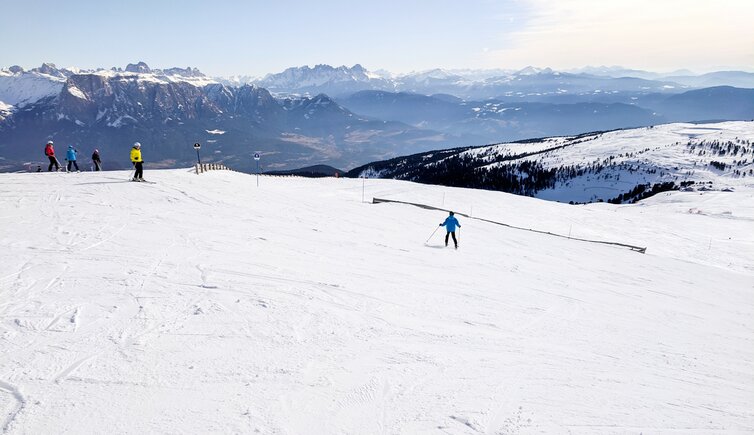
120,121
76,92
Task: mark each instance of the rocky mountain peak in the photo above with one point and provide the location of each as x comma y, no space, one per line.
140,67
49,69
531,71
185,72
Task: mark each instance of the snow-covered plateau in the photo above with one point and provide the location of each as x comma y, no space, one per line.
206,304
20,89
614,166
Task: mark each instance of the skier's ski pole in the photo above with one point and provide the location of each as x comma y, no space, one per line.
433,233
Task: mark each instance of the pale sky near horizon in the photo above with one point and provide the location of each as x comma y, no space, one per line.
234,37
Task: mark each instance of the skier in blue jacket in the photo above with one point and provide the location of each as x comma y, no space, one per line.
450,225
70,155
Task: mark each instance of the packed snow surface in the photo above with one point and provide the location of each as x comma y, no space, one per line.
205,304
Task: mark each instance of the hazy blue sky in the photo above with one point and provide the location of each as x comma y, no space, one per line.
258,37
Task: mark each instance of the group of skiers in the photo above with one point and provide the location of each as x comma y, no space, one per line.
71,157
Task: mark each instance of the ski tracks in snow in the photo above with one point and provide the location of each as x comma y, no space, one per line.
205,274
20,403
26,266
63,374
72,321
105,239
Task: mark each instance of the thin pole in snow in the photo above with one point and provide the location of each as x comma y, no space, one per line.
433,233
363,187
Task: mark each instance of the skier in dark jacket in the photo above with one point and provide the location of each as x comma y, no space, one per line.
50,153
96,160
450,225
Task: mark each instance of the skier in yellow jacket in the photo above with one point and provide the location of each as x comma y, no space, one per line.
137,162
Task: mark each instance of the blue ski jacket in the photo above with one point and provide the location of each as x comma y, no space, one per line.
71,154
450,224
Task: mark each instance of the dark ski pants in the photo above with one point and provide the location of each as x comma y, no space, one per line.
72,162
139,170
451,233
97,166
53,161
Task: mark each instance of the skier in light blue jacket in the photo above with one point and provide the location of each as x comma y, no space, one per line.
450,225
70,155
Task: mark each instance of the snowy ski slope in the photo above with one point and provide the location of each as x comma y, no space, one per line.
203,304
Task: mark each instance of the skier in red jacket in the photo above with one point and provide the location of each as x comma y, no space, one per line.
50,153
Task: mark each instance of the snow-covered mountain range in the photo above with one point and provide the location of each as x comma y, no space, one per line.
617,166
169,110
293,118
204,304
18,86
481,84
21,88
324,79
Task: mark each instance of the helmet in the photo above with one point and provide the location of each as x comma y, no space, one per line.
451,213
49,142
96,150
70,146
137,145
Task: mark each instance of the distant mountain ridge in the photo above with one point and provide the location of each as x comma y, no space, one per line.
323,79
492,120
316,171
340,81
715,103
